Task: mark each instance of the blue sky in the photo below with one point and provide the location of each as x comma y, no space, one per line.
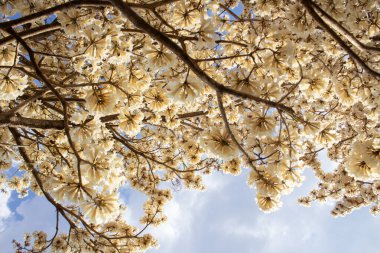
223,219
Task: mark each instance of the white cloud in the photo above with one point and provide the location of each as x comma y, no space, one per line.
182,212
225,219
5,212
263,229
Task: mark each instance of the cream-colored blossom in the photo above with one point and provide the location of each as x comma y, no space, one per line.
103,207
156,99
220,144
130,122
95,167
242,80
100,101
183,16
7,55
158,56
259,124
71,20
185,91
11,85
268,203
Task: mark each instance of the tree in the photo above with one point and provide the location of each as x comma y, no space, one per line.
97,95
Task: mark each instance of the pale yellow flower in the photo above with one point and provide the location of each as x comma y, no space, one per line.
220,144
102,207
259,124
268,203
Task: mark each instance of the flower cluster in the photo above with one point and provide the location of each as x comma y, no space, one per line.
102,97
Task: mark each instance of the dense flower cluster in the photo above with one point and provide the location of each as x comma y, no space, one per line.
97,96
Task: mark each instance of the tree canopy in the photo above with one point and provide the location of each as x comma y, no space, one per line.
100,96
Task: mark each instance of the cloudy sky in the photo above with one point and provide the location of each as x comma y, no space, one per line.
222,219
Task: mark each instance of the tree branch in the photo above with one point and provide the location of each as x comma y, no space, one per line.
342,30
181,54
18,121
32,32
308,6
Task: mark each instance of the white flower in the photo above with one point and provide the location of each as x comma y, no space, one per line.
206,34
268,203
156,99
158,56
326,135
260,124
363,161
130,122
313,87
103,207
241,80
358,168
95,167
184,16
7,55
186,91
11,85
71,21
220,144
100,101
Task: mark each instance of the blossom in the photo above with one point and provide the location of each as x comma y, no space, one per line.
95,167
345,93
71,21
185,91
242,80
260,124
358,168
232,167
206,34
97,43
67,188
156,99
7,55
314,86
363,161
326,134
103,207
183,16
158,56
60,243
100,101
220,144
11,85
270,90
130,122
370,150
268,203
139,81
269,184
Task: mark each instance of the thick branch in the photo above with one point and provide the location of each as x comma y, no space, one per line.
18,121
48,11
335,36
140,23
20,106
191,114
32,32
342,30
77,3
